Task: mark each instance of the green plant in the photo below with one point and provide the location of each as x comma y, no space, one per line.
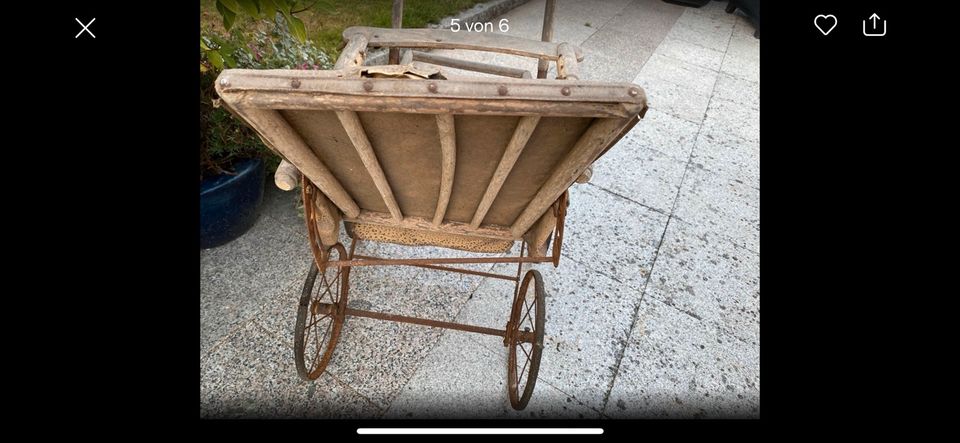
230,10
223,138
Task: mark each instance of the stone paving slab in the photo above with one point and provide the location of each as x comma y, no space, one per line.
684,51
725,116
710,278
737,90
675,367
597,235
460,364
602,67
655,19
647,175
282,207
743,58
674,99
588,319
665,133
691,77
238,279
711,203
252,375
728,156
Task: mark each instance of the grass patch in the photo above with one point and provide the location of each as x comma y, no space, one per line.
326,19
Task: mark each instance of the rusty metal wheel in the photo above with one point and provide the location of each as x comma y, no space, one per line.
321,313
525,340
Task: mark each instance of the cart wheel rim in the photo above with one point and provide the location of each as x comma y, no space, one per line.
320,314
527,319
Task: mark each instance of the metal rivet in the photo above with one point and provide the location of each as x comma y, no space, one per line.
432,87
368,86
224,82
634,92
295,83
502,90
565,90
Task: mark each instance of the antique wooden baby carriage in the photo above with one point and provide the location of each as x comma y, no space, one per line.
400,154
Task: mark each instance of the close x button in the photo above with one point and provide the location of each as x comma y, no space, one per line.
85,28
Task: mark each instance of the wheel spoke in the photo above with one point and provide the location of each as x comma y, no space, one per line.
329,287
529,317
520,345
323,340
324,287
316,353
326,333
336,286
519,385
526,316
317,320
306,333
520,376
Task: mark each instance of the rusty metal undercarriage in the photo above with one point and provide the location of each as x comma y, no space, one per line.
323,304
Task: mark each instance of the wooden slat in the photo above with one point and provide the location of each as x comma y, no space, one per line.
351,124
448,147
340,90
427,105
548,12
518,141
424,224
447,39
277,132
468,65
590,144
287,176
353,53
346,82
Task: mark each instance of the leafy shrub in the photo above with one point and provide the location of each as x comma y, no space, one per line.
224,139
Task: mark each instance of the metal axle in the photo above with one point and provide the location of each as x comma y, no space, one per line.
326,308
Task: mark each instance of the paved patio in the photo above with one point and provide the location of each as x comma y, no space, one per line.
653,312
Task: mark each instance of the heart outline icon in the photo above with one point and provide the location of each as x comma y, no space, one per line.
825,17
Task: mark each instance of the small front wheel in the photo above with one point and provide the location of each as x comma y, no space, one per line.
320,313
525,340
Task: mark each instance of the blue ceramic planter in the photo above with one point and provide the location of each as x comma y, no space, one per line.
230,204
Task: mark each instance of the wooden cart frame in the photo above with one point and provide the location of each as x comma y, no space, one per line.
277,103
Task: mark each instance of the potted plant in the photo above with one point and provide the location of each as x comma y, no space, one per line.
233,159
231,171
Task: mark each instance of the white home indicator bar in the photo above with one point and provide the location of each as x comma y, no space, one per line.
487,431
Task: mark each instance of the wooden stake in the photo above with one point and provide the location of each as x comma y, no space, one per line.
396,21
544,65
